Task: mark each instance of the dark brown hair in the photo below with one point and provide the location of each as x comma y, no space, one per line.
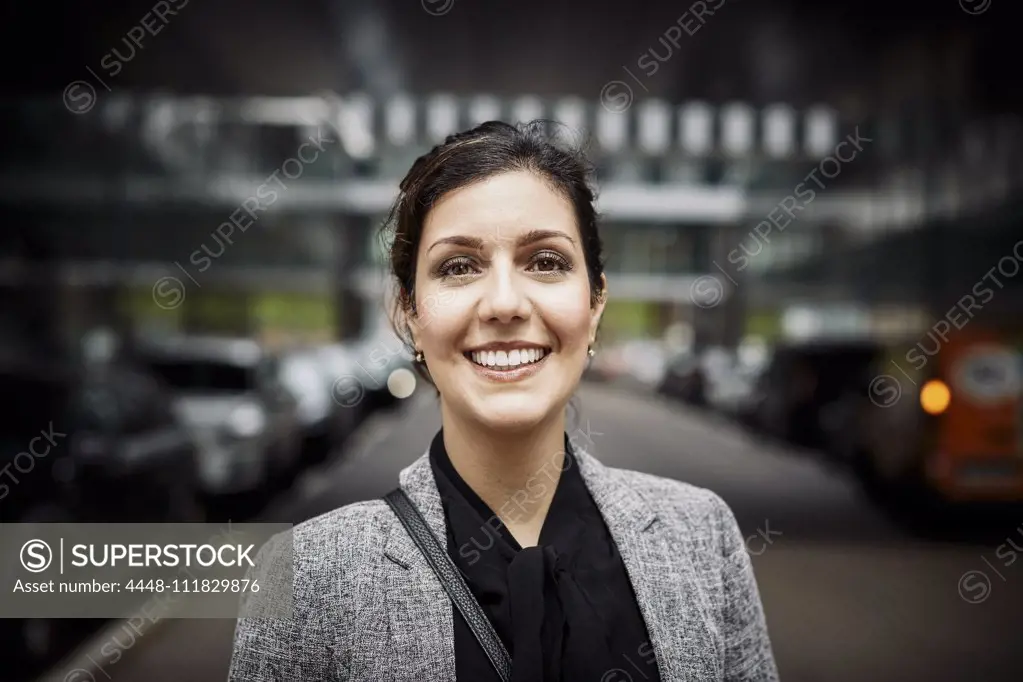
473,156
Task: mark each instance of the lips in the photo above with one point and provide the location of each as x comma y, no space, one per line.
504,374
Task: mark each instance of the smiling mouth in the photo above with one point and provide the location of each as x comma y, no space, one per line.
507,360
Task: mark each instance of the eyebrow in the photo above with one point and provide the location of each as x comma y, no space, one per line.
528,238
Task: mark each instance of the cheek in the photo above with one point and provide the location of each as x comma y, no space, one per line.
443,320
567,315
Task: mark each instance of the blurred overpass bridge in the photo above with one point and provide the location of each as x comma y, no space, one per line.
120,183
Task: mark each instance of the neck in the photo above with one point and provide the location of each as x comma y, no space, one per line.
514,473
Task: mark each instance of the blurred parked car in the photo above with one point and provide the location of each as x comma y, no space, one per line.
608,364
645,360
86,444
734,393
230,392
377,357
128,455
324,421
362,371
346,389
727,380
640,361
709,378
801,395
684,380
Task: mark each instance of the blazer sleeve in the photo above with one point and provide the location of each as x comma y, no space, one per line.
270,646
749,656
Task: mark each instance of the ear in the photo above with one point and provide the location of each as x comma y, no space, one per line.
412,327
598,308
403,318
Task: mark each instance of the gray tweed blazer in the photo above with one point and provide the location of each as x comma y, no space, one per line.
369,609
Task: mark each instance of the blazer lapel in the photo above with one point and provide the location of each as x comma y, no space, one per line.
673,609
421,642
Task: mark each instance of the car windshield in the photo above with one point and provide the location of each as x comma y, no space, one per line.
202,375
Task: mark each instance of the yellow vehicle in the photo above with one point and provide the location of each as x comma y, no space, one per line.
947,418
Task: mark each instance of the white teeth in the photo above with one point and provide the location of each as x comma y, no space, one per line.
506,359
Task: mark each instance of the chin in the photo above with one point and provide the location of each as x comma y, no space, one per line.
511,412
511,406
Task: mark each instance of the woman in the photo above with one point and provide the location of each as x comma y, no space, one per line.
585,572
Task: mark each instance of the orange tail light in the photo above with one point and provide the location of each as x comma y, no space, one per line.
935,397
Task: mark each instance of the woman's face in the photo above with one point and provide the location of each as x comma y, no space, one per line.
503,301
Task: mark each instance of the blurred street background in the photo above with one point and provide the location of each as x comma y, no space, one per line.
812,220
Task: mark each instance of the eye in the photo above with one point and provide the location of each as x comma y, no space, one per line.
456,267
550,262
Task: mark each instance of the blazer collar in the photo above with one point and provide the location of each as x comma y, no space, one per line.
624,509
662,587
419,484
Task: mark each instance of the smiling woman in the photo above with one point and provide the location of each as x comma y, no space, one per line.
519,292
475,567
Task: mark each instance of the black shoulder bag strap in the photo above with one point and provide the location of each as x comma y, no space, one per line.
452,580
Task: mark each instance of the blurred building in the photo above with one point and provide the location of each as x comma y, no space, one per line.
766,186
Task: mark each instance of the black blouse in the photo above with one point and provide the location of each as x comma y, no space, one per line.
564,609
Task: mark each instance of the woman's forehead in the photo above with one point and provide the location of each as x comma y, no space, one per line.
503,208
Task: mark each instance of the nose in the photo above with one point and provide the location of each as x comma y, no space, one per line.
504,298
